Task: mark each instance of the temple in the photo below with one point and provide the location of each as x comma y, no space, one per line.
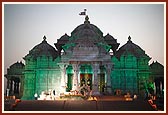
15,79
85,59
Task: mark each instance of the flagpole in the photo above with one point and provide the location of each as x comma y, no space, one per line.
83,12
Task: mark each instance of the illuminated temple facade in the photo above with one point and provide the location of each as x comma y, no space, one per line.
86,57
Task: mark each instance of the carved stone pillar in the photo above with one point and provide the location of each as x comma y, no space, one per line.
17,87
21,86
8,83
8,87
15,84
75,83
108,85
95,86
63,77
11,86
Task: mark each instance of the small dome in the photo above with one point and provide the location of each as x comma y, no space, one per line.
131,48
156,65
64,37
15,69
108,37
110,40
17,65
62,41
42,49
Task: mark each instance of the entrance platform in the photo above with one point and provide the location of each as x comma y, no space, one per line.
102,103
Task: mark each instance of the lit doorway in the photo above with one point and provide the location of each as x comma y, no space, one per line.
86,79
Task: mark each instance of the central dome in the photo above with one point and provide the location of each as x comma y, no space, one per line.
86,31
86,43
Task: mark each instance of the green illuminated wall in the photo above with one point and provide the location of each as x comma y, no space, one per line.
41,74
129,74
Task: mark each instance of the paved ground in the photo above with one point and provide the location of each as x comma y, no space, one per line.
105,103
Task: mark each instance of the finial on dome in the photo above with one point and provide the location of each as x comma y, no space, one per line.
86,16
44,38
87,19
129,39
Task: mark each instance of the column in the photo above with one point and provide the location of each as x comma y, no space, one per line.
161,87
75,85
95,83
8,84
7,92
108,85
15,84
7,89
17,87
63,77
21,86
11,86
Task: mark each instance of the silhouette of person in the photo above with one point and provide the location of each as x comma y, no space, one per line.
53,92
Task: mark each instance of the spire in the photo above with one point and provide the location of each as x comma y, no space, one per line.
44,39
129,39
87,19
